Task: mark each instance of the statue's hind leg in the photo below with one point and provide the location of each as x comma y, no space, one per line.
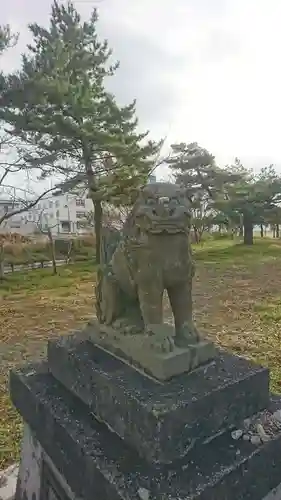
150,299
180,297
110,305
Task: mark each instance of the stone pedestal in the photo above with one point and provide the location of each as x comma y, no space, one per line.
104,431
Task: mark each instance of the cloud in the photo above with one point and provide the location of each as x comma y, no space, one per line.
205,70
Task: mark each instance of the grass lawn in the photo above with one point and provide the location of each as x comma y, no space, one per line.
237,301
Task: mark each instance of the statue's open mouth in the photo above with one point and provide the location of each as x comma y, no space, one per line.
166,228
160,225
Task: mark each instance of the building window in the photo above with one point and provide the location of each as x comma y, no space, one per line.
57,214
80,215
57,203
80,202
65,226
81,225
50,204
15,224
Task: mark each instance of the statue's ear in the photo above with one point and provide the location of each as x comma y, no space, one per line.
188,195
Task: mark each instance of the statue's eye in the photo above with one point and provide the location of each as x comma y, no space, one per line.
175,201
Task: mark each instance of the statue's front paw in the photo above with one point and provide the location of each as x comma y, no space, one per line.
161,338
166,344
187,335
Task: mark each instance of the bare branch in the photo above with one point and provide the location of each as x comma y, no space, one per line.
39,222
27,207
4,175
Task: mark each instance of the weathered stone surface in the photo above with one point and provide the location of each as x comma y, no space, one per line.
28,484
140,351
151,255
96,463
38,478
162,421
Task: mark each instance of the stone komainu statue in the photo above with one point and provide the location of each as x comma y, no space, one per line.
151,254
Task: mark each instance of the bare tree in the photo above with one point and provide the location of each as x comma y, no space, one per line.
2,256
17,175
113,216
45,227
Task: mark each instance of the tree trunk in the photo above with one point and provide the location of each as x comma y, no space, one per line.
261,230
97,202
69,250
277,230
274,231
196,235
241,232
94,194
248,228
53,252
2,274
98,228
98,225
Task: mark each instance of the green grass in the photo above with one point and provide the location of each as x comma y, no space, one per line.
229,251
40,279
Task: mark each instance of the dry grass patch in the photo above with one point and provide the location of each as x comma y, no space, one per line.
33,308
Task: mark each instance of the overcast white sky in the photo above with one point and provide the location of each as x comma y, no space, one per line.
201,70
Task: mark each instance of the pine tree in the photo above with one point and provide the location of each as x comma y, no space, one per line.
195,168
59,101
7,38
251,198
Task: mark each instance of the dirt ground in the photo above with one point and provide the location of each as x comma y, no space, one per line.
237,303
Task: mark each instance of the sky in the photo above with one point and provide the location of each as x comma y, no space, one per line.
201,70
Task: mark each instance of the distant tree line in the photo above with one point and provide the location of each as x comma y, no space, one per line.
233,197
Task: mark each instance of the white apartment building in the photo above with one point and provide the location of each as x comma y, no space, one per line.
15,222
65,213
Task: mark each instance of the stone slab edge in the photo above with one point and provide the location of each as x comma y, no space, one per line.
274,494
8,482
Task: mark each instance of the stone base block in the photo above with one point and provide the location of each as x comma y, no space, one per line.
161,420
138,350
97,465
